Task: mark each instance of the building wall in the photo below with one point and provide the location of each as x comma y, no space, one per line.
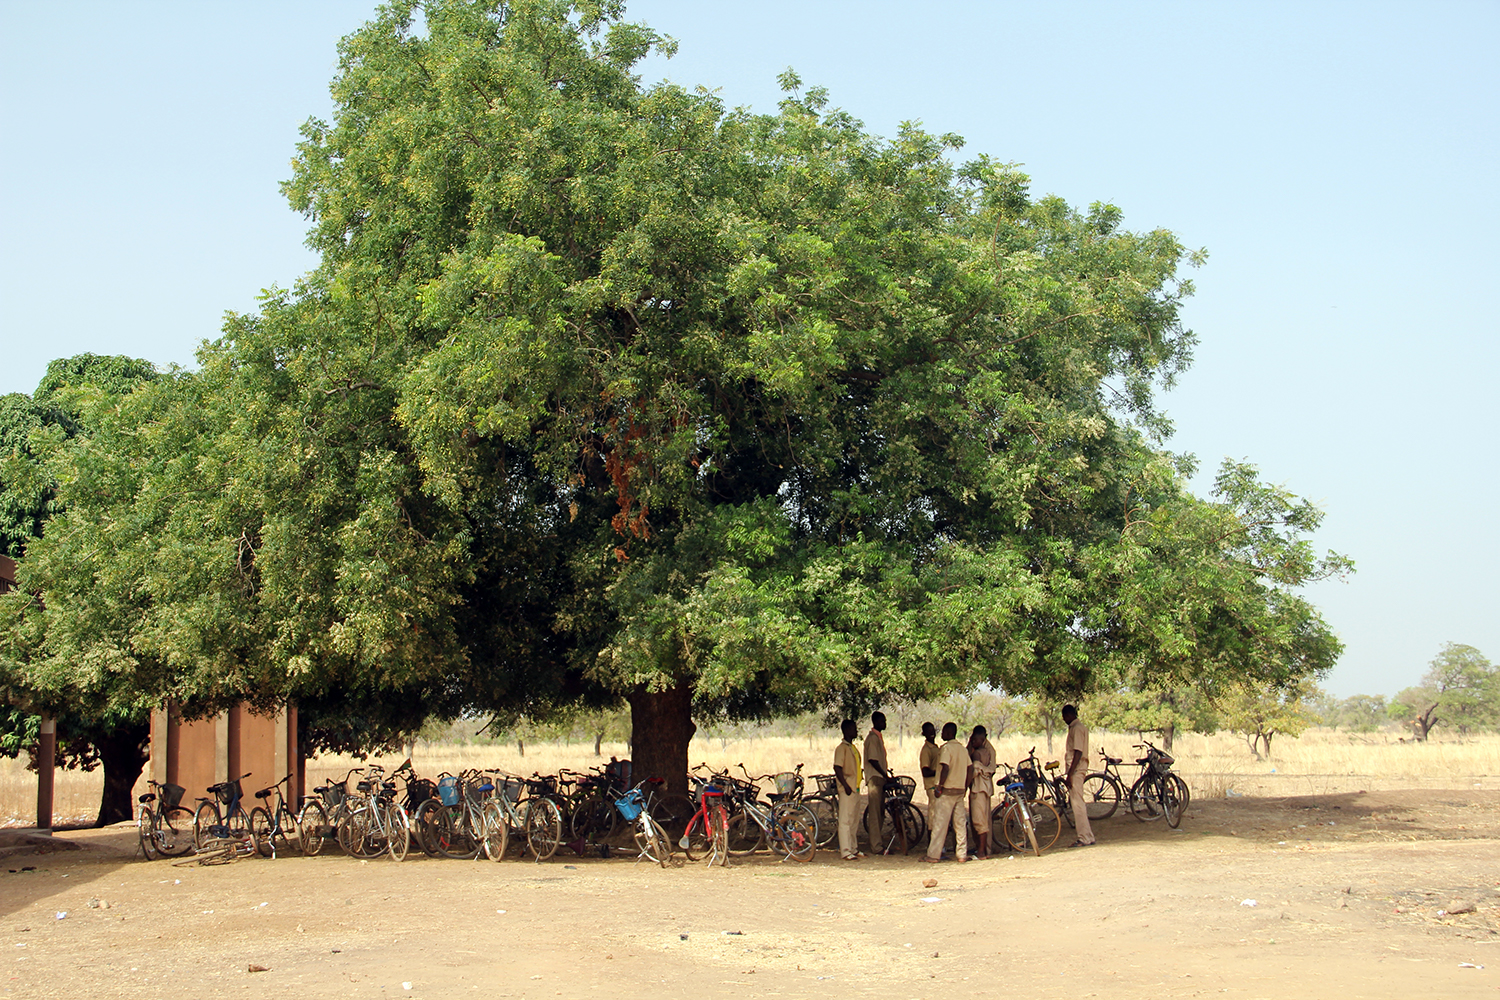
235,743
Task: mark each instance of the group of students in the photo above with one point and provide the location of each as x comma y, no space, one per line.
950,772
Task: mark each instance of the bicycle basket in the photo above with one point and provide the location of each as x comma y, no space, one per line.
629,805
419,790
828,784
448,790
788,783
229,792
900,787
171,796
334,793
510,788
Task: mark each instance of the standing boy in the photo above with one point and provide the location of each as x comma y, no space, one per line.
875,778
955,774
1076,759
846,773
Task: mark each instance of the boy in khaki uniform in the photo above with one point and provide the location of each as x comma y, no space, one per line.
927,763
982,791
955,774
876,773
1076,760
846,774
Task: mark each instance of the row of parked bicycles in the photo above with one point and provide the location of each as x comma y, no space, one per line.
370,813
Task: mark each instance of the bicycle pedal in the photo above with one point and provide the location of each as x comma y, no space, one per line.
683,842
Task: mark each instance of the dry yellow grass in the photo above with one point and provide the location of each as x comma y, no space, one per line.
1320,762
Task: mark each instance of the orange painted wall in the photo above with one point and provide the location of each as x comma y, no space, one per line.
191,753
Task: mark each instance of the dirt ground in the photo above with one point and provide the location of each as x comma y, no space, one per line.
1382,894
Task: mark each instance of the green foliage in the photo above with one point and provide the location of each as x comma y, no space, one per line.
1461,689
600,387
1260,715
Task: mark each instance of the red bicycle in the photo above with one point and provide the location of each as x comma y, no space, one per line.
707,833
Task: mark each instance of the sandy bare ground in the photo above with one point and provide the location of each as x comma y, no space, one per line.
1354,898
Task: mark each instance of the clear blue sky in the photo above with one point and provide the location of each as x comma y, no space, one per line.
1338,161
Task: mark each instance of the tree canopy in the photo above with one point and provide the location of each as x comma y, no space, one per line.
605,391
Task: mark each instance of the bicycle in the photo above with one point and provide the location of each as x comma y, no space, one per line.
1025,820
380,825
824,805
1041,788
1157,793
322,816
787,827
907,824
273,827
452,824
650,839
707,833
165,830
535,821
232,823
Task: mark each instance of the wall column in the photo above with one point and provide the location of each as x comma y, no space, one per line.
46,763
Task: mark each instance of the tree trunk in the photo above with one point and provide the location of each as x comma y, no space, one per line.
1266,738
1252,740
1167,733
598,739
520,746
123,753
661,727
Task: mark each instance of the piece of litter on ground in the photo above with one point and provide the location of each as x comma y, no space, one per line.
536,977
735,933
406,986
932,899
1469,965
499,911
1247,902
263,904
207,912
62,914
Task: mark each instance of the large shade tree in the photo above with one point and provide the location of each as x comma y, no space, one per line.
91,733
603,390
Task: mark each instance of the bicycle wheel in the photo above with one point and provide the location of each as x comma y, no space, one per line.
1101,795
1044,823
1059,798
795,835
204,820
496,831
543,828
826,813
1182,789
695,843
745,835
285,834
718,841
1020,832
454,839
312,827
260,832
906,827
146,831
174,831
1145,799
651,841
673,811
397,830
1171,801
